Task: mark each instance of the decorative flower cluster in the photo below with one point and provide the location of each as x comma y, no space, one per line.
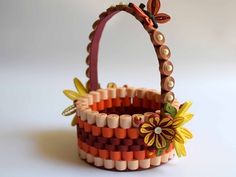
72,95
159,131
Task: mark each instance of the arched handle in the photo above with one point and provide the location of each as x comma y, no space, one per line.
157,38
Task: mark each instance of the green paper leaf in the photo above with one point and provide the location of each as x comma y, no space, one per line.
74,121
69,110
168,108
159,152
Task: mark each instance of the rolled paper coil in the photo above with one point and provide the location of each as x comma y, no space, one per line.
101,119
113,121
124,165
125,121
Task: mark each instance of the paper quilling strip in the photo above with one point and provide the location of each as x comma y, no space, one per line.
127,128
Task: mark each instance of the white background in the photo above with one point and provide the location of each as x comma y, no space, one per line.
43,46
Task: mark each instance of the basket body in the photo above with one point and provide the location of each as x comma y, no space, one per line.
108,133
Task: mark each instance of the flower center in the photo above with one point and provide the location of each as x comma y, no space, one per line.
158,130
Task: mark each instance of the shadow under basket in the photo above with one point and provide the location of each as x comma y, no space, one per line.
108,133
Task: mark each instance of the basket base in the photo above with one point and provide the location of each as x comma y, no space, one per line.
124,166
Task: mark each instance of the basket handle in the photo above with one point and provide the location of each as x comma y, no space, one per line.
157,38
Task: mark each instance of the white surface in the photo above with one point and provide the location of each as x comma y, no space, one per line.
43,46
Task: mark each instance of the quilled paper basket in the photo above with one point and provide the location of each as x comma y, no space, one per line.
127,128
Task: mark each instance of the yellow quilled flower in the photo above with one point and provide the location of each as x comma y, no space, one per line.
182,134
81,91
157,132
